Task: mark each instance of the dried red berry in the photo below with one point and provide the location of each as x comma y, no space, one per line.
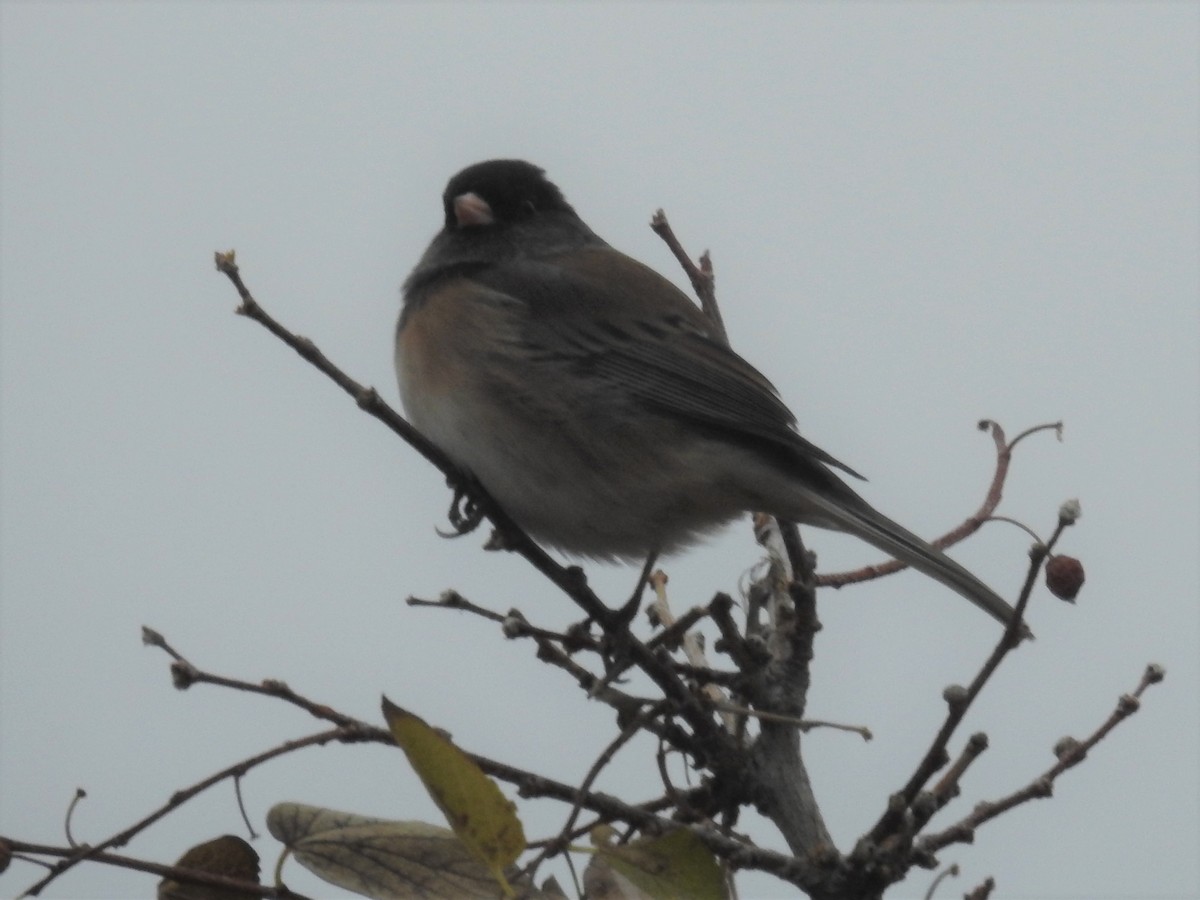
1064,577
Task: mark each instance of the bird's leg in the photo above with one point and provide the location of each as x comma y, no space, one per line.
465,510
615,643
625,615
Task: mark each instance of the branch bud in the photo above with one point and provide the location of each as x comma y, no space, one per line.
1068,747
1069,512
955,696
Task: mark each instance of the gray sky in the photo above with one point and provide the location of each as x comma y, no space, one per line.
921,215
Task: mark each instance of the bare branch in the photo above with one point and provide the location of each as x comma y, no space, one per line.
85,852
175,873
702,277
571,579
1070,753
559,844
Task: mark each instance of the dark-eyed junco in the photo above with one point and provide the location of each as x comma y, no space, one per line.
591,398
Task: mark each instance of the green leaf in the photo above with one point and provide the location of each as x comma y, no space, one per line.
673,866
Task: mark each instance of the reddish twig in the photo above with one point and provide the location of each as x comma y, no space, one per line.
701,276
1004,452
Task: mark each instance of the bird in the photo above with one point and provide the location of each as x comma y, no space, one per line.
594,401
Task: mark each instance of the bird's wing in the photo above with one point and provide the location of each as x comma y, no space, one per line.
666,355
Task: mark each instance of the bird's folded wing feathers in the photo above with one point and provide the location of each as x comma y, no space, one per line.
670,361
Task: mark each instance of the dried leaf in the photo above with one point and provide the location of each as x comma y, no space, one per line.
381,858
227,855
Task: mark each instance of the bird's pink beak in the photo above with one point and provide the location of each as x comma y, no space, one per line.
471,209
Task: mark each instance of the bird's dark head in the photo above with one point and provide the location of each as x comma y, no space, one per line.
497,212
501,192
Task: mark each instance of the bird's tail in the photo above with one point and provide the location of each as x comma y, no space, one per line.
854,515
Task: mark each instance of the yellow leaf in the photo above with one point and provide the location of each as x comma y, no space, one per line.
479,813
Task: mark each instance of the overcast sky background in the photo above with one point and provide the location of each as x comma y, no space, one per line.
920,215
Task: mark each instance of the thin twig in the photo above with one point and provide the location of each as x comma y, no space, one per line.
627,733
80,793
185,674
702,277
950,871
948,786
693,648
232,886
803,724
673,631
177,799
571,579
1070,754
514,624
237,790
960,700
